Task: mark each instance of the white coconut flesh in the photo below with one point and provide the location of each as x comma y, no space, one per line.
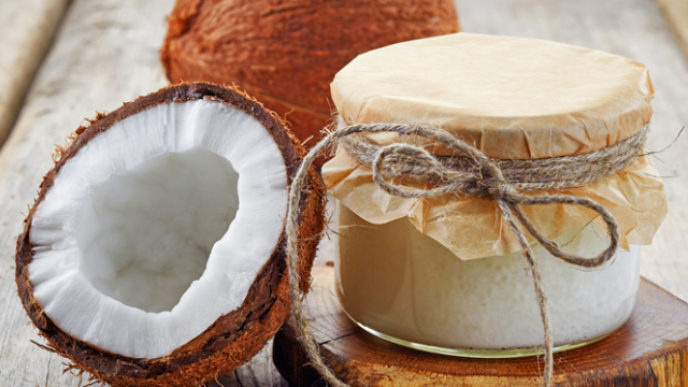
158,226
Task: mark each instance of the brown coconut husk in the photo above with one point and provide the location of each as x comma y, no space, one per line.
236,336
286,53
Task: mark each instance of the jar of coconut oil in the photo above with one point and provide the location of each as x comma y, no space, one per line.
446,274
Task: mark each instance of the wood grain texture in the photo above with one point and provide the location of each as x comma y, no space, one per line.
26,30
676,12
651,349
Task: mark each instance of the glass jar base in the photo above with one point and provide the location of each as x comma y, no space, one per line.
476,353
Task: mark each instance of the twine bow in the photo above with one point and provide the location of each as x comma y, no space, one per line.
477,176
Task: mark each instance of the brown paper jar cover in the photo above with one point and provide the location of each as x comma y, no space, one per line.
512,98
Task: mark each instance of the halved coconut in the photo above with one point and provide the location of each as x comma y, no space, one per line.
154,253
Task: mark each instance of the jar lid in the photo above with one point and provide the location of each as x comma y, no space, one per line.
511,97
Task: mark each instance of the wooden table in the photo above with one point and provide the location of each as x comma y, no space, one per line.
106,52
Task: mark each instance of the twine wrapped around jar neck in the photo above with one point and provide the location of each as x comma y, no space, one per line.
523,174
468,172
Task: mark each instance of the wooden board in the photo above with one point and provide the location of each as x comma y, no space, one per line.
676,12
651,349
26,28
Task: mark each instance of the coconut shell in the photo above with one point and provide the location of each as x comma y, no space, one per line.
235,337
287,52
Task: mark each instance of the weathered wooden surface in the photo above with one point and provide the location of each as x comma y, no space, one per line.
651,349
676,12
106,52
26,30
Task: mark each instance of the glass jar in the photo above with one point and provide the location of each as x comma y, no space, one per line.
446,274
401,285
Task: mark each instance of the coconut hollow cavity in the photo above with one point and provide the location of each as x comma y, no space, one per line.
154,253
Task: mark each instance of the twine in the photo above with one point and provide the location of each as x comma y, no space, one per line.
523,174
472,173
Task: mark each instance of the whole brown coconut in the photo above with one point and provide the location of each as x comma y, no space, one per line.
237,334
286,52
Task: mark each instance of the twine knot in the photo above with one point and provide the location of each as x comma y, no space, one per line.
500,191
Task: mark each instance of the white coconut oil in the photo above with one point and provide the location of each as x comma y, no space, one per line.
401,285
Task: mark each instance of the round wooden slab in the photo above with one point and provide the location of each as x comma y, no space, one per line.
651,349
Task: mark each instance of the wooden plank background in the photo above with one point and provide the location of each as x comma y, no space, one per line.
106,52
676,12
26,30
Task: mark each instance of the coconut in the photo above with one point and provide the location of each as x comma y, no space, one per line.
154,253
287,52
